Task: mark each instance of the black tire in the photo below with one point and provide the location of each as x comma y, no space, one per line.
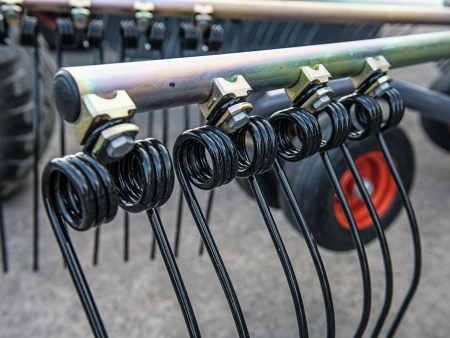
16,114
269,184
438,132
315,194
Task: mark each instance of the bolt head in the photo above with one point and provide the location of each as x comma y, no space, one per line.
237,120
381,89
321,103
120,146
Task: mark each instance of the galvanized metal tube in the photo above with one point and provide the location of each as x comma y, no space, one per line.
306,11
160,84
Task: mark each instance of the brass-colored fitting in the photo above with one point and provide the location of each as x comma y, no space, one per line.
308,76
236,116
317,75
225,90
203,17
143,13
96,110
80,12
12,11
372,66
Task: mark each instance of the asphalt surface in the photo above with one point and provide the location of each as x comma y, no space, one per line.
136,298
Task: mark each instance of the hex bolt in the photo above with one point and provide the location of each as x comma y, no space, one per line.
381,89
321,103
237,121
120,146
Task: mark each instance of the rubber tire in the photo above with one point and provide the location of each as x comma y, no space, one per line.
16,114
438,132
269,184
315,194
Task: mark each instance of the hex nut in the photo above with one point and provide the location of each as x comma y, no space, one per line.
321,103
119,146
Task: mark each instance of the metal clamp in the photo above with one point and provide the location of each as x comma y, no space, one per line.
12,11
203,17
114,141
234,116
318,75
143,14
373,66
80,12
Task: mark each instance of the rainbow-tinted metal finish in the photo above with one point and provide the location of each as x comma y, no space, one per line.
169,83
306,11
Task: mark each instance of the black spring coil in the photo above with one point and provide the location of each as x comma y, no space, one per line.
94,33
188,36
310,134
191,166
341,126
28,31
129,35
156,36
265,150
213,38
145,181
395,115
65,31
81,192
369,116
3,30
78,191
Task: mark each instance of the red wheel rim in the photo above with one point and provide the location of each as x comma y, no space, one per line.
380,183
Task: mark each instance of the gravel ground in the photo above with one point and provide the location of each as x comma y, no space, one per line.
136,298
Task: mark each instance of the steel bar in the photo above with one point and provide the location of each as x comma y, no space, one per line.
306,11
169,83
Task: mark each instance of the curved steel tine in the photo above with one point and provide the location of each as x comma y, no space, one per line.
264,154
29,38
414,232
180,198
190,147
3,239
396,112
165,134
95,256
311,137
208,217
156,181
83,176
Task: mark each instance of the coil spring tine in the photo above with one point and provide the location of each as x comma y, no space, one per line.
396,112
265,153
414,232
129,40
310,135
28,28
165,133
3,240
208,217
359,245
78,191
191,166
369,115
180,198
149,188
